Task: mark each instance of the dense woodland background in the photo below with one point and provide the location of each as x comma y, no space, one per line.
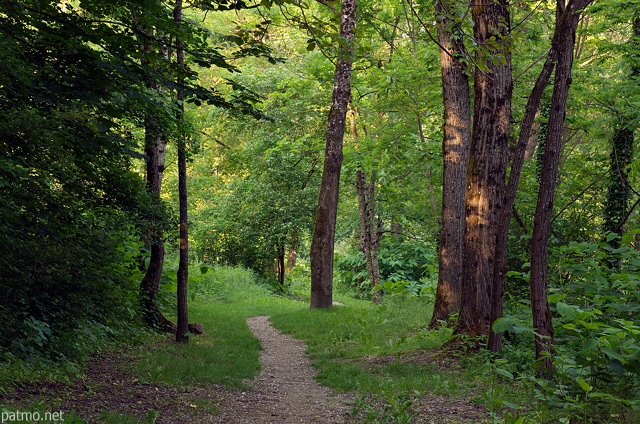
99,112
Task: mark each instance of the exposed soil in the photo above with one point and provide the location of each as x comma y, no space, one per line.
284,392
109,384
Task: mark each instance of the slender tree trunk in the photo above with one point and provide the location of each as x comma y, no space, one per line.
502,236
487,167
322,244
280,268
563,43
183,266
369,238
455,154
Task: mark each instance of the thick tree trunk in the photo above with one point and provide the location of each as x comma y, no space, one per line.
455,154
155,152
563,44
149,287
183,265
321,254
502,236
155,148
369,238
487,167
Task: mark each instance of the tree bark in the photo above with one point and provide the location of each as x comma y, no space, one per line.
155,147
487,167
504,219
563,43
280,266
322,244
183,266
369,238
455,154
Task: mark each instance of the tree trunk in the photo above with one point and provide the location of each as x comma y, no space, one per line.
369,238
149,287
563,43
487,167
183,266
455,154
155,147
291,258
321,254
280,267
502,236
619,190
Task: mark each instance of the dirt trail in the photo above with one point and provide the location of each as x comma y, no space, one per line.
285,391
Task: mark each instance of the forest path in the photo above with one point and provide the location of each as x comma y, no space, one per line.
285,390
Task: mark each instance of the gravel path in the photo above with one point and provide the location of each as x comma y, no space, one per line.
285,391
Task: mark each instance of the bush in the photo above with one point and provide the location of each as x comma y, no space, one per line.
595,297
405,267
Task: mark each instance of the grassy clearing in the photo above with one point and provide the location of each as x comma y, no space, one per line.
384,352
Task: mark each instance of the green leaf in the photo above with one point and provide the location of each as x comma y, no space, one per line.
503,324
613,355
628,238
504,373
510,405
589,325
616,366
590,344
553,298
585,386
566,310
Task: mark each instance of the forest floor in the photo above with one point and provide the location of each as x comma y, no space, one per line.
284,392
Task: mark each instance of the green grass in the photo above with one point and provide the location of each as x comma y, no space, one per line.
227,353
375,348
381,350
384,354
340,339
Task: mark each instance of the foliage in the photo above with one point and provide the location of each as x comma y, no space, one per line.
598,323
268,205
405,267
68,200
396,409
74,92
597,358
